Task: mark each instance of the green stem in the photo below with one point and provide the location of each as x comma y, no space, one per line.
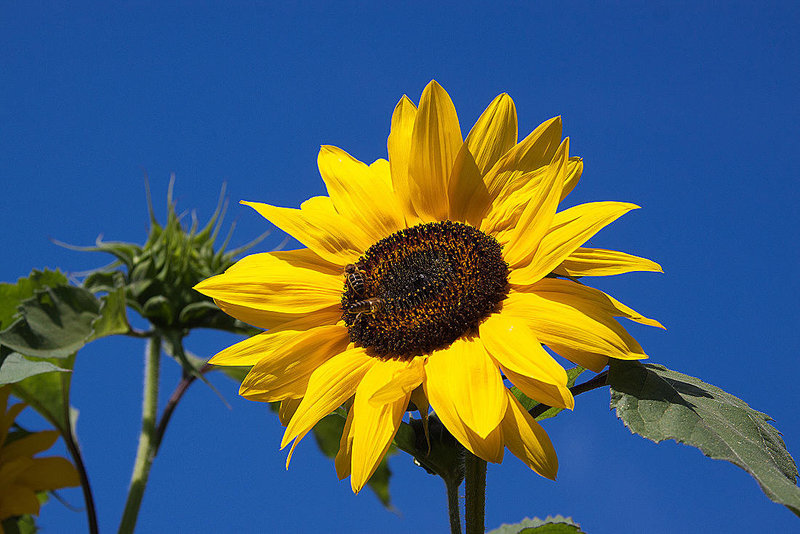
147,439
475,491
453,509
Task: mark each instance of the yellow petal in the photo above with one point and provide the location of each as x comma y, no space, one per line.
528,441
494,133
273,319
331,236
286,410
18,500
524,361
573,175
360,193
504,213
285,371
330,385
535,220
570,229
601,262
593,362
344,457
49,474
435,142
536,150
306,259
324,204
266,282
375,424
464,379
579,295
580,325
29,445
405,377
469,199
399,149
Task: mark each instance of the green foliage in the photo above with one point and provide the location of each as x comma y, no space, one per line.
11,295
16,367
48,394
19,525
661,404
550,525
529,404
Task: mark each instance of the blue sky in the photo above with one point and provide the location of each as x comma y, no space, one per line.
690,111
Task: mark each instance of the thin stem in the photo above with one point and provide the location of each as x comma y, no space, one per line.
75,452
173,401
147,444
453,508
475,492
595,382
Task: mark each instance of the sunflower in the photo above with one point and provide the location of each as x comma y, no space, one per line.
432,278
22,475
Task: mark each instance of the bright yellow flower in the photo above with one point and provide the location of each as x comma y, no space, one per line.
22,475
424,278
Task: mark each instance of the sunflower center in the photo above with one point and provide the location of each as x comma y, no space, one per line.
422,288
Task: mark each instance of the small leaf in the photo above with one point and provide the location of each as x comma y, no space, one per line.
113,318
54,323
550,525
661,404
16,367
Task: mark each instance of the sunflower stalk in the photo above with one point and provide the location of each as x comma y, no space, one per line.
475,494
147,438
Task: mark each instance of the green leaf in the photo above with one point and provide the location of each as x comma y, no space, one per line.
550,525
528,403
23,524
661,404
48,394
54,322
113,318
16,367
11,295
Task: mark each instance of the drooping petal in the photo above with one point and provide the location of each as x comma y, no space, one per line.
399,148
573,175
463,379
49,474
376,423
404,377
579,295
435,142
286,410
18,500
469,199
581,325
536,150
360,193
29,445
331,236
330,385
344,457
524,361
494,133
535,220
527,440
589,360
273,319
601,262
286,370
570,229
268,282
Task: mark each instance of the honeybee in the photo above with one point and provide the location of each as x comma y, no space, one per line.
370,306
355,278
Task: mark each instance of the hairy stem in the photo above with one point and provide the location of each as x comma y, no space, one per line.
147,439
75,452
173,401
475,492
453,508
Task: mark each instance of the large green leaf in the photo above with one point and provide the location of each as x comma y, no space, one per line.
16,367
48,394
661,404
54,323
550,525
12,295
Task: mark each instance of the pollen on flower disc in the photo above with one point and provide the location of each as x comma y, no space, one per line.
422,288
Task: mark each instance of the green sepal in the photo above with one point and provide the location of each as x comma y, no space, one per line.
661,404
